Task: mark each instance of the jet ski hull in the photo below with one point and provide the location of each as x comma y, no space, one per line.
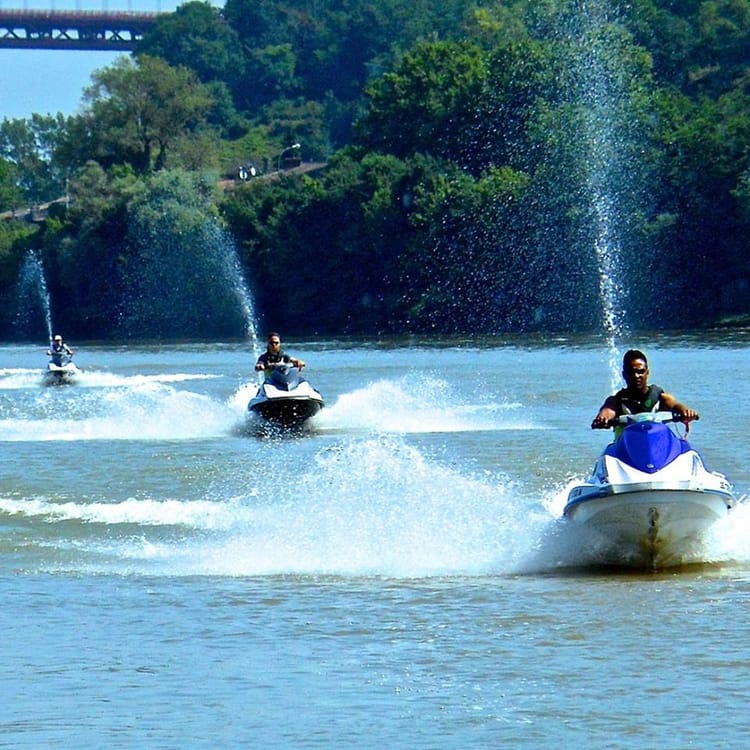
286,399
61,374
289,412
650,501
652,527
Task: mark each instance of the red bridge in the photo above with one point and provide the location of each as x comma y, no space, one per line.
73,29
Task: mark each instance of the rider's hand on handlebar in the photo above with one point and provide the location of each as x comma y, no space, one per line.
686,415
603,420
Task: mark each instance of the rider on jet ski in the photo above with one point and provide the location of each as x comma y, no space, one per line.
58,349
638,396
274,355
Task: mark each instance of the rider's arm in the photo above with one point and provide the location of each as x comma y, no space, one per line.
298,363
670,403
605,415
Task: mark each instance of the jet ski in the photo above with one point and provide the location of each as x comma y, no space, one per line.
650,501
61,371
285,398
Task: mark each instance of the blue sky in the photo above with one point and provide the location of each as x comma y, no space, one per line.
48,81
45,81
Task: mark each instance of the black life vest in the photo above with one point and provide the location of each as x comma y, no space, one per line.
629,402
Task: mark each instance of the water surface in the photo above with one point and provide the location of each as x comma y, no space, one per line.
390,577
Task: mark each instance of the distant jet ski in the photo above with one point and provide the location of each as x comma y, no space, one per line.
286,398
61,372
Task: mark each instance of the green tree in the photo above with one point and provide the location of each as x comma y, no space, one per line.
700,46
270,75
136,111
85,249
181,277
700,219
30,146
11,195
300,121
16,238
312,49
428,104
501,152
329,246
467,266
196,36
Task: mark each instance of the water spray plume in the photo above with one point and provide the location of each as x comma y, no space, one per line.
601,89
32,297
184,279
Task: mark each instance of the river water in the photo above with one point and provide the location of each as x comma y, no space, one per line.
392,577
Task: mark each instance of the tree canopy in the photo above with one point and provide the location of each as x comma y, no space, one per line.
487,167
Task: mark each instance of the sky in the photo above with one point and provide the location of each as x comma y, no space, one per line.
49,81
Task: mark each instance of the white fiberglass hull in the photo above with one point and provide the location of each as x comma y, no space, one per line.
651,528
61,374
654,521
287,408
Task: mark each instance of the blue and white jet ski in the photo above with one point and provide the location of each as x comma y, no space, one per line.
650,501
61,371
286,398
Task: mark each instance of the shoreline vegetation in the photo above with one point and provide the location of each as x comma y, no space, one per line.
447,169
714,336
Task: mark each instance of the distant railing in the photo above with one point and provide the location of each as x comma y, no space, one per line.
36,213
73,29
40,211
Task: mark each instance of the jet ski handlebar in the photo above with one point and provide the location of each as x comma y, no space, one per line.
658,416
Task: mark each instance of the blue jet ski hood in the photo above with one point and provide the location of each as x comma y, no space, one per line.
647,446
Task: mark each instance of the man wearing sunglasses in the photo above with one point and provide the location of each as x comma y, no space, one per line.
274,355
638,396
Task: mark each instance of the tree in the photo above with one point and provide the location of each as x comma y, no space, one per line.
137,110
700,223
270,75
428,104
196,36
469,266
181,278
84,250
11,195
315,49
30,146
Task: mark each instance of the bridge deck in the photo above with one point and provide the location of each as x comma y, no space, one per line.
73,29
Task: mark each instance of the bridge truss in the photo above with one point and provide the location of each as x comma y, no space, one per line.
82,30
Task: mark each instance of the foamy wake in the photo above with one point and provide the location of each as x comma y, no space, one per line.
372,506
147,409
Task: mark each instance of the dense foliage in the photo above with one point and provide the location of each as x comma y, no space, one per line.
504,166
